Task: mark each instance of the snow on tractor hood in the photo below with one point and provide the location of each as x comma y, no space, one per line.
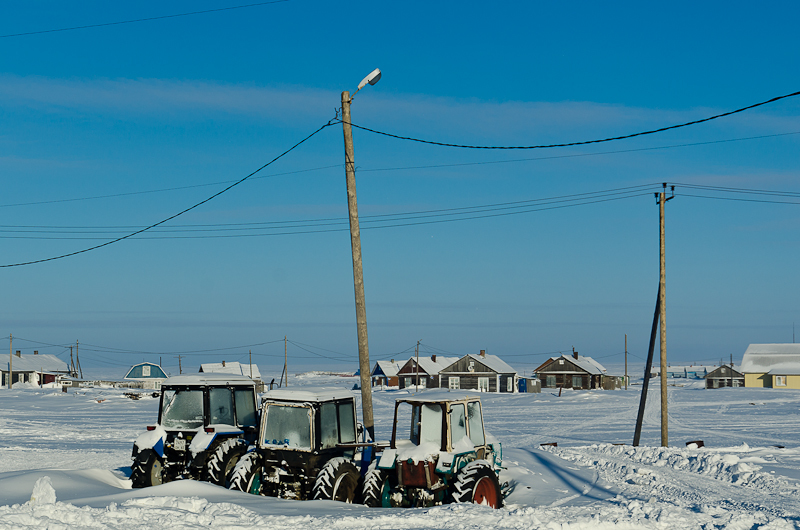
152,440
203,439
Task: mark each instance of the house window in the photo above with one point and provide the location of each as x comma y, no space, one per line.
561,361
145,371
510,384
409,381
454,383
551,381
483,384
577,381
780,380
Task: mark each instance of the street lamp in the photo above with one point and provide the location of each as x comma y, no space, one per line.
355,243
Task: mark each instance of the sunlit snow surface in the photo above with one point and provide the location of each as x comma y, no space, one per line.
82,442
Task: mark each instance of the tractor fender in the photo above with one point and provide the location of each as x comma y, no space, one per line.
387,459
151,440
203,439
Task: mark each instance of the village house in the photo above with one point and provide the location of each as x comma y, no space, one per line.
484,373
385,373
771,366
577,372
428,370
146,375
724,376
37,369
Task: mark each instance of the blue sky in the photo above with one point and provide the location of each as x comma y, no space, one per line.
189,104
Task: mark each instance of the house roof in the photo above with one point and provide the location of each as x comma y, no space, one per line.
387,368
778,359
431,367
587,364
231,368
717,372
492,362
141,371
45,362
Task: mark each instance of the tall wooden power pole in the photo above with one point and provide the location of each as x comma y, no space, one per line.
78,359
662,200
10,360
416,352
358,274
285,361
626,361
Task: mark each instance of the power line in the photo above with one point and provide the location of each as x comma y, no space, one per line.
148,19
585,142
388,220
172,216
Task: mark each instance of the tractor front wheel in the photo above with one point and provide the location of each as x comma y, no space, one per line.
223,460
337,481
477,483
246,475
376,489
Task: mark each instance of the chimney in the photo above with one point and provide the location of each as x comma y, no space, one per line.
36,352
223,364
433,357
392,361
574,353
19,353
483,353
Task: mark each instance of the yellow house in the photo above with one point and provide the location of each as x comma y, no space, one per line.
771,366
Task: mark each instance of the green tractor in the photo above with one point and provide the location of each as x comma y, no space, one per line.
445,457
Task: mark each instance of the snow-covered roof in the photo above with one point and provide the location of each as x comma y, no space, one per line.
493,362
587,364
439,394
389,368
430,366
145,371
45,362
231,368
307,394
207,379
781,359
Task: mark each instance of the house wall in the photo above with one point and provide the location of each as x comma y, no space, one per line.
428,381
792,382
757,381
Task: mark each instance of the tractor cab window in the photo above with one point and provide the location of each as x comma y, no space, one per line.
328,426
475,423
182,409
458,423
287,426
430,424
245,407
347,422
220,404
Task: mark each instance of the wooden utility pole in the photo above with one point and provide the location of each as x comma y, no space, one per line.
662,200
285,361
250,353
648,367
626,361
180,368
358,273
10,360
78,359
416,352
72,362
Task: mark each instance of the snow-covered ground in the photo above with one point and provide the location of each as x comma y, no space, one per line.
64,461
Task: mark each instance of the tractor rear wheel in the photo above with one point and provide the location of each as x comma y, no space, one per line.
477,483
246,475
376,489
337,481
222,461
147,469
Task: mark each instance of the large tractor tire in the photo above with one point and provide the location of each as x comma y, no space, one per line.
477,483
147,469
337,481
246,475
376,488
221,462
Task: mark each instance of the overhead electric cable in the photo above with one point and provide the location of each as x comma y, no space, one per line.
172,216
584,142
103,24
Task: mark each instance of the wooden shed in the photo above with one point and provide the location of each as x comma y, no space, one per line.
577,372
724,376
484,373
429,368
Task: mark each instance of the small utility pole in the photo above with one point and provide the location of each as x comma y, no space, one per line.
416,389
78,359
286,360
250,352
10,360
180,368
626,361
358,273
662,200
72,362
